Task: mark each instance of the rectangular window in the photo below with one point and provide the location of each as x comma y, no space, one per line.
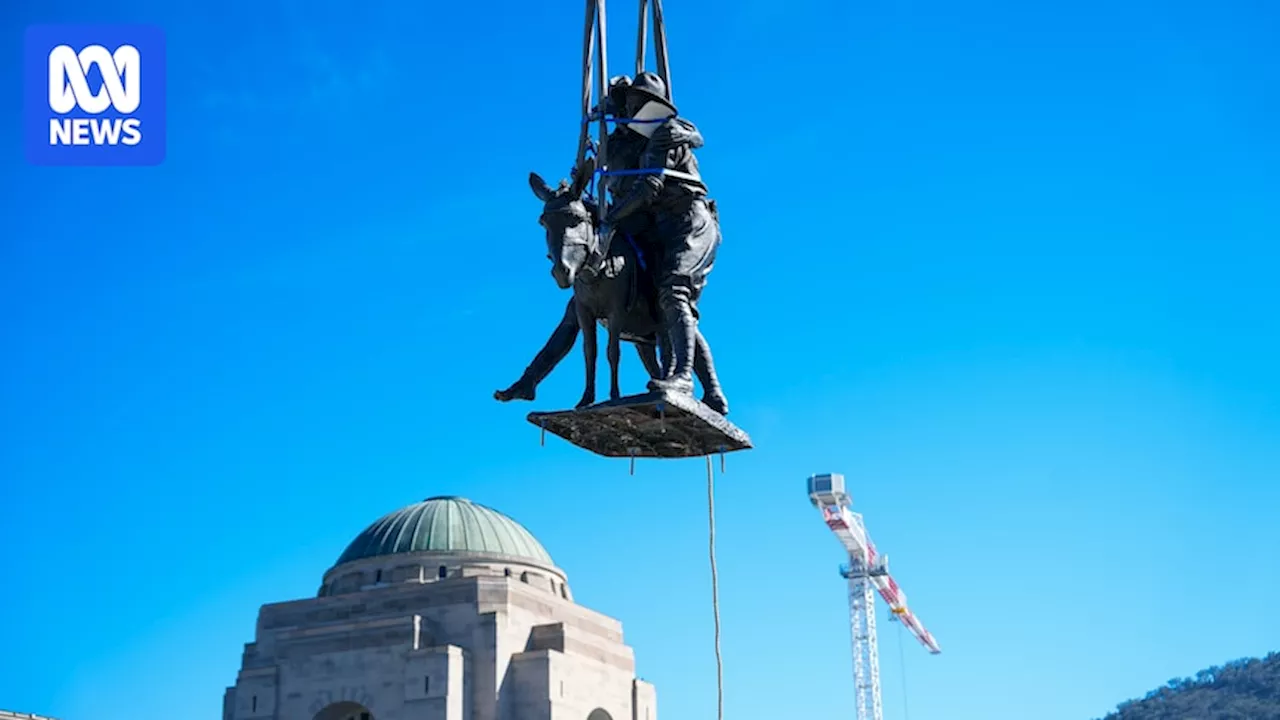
426,685
561,688
254,704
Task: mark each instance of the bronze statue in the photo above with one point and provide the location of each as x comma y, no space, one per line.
640,274
608,285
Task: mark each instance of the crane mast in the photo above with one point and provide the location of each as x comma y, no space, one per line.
867,573
866,653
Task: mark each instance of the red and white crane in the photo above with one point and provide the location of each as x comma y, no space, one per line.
867,573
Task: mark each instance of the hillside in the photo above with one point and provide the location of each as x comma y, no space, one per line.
1247,689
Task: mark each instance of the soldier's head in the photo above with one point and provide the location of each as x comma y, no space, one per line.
616,100
647,88
647,105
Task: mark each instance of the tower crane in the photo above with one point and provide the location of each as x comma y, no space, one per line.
867,572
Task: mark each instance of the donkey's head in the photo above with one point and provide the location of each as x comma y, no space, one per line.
572,241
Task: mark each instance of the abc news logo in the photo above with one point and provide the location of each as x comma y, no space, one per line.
86,100
69,90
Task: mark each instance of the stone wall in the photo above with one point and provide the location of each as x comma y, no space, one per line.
468,647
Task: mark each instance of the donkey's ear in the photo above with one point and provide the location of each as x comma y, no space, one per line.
540,187
582,176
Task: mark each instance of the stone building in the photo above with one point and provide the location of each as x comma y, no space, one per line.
444,610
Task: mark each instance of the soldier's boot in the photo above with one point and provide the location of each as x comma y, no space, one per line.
705,368
682,331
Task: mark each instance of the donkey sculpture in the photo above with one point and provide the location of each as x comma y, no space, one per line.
607,286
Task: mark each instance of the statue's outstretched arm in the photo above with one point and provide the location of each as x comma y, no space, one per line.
557,346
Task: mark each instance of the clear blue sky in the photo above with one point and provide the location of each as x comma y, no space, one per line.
1032,314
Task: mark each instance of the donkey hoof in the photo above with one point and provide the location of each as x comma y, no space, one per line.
515,392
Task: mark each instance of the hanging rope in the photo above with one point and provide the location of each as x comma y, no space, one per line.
715,586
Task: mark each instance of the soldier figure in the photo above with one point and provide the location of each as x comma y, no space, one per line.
683,233
626,149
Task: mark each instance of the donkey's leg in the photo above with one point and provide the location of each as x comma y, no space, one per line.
557,347
705,368
649,358
613,351
587,324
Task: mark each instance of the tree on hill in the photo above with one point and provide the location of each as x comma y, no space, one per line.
1246,689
